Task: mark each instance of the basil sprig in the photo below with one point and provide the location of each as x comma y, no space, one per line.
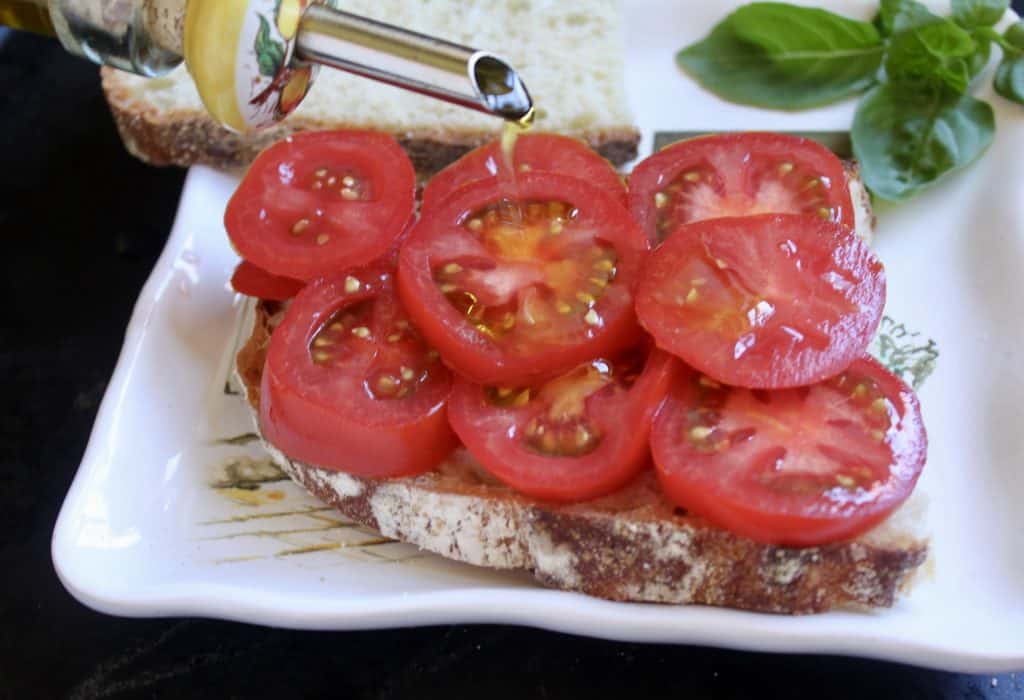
916,123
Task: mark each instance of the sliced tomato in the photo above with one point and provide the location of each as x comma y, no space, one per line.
800,467
574,438
737,175
317,203
254,281
768,301
512,292
549,153
348,384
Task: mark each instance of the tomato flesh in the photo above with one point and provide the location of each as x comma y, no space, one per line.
768,301
802,466
564,440
738,175
350,385
550,153
254,281
513,292
320,202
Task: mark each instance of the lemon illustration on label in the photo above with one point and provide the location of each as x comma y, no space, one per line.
288,15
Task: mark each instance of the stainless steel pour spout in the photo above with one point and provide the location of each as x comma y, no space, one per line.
459,74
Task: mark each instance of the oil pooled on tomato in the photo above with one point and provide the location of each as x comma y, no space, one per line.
537,271
399,367
560,425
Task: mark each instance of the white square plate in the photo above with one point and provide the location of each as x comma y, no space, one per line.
166,518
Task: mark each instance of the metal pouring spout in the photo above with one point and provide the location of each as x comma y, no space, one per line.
459,74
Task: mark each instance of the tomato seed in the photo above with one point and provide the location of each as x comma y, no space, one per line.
299,226
352,285
785,169
322,239
361,332
349,194
592,318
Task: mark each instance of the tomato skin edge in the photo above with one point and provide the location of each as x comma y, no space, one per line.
252,280
404,449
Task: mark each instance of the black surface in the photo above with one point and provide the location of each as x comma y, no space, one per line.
82,226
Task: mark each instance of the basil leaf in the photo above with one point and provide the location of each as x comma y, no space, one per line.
979,13
785,57
1009,80
934,53
896,16
907,139
979,59
1014,36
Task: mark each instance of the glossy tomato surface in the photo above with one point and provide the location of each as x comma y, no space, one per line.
516,292
348,384
317,203
736,175
577,437
254,281
550,153
768,301
802,466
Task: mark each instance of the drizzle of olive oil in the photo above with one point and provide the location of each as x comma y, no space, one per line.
29,15
508,207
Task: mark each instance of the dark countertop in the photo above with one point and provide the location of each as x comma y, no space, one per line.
83,223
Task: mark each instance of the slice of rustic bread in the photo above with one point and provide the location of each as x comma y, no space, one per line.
632,545
571,57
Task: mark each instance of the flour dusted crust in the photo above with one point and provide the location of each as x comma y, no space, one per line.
630,546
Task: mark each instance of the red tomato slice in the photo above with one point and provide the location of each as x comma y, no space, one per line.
800,467
549,153
737,175
348,383
512,293
254,281
768,301
321,202
576,437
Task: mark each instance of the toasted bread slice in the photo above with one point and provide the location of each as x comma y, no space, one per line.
162,121
632,545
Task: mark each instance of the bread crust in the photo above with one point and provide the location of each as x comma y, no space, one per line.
629,546
188,137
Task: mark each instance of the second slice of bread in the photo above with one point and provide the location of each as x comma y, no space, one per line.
570,55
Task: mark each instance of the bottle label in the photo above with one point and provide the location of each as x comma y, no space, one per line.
268,83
